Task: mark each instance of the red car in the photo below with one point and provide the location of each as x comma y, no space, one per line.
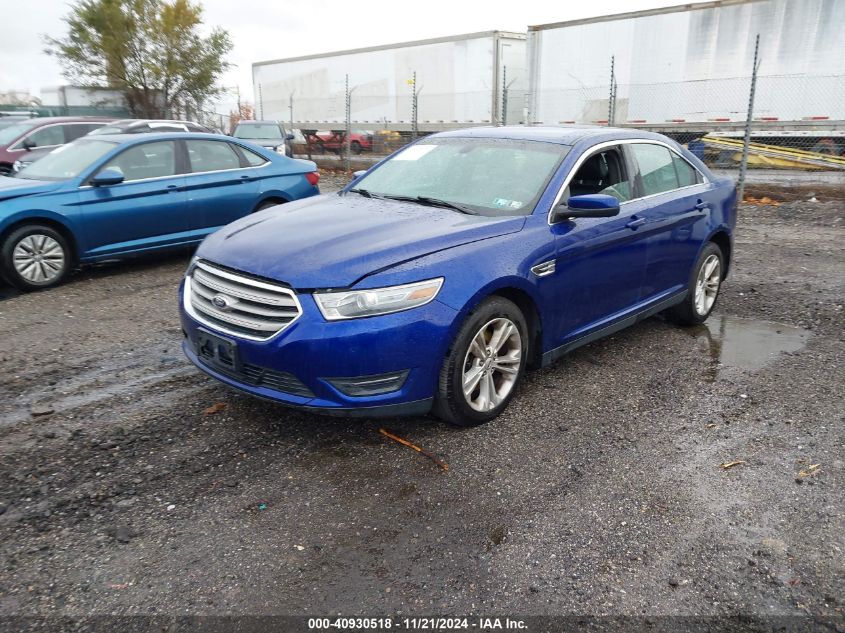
358,141
23,136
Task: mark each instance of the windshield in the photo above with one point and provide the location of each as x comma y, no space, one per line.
10,133
489,176
258,130
67,161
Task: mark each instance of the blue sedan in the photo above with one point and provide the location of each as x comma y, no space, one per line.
103,197
435,279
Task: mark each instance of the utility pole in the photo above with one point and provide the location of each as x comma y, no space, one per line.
290,109
612,97
346,146
414,110
743,165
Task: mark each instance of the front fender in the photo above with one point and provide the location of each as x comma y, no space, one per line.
19,216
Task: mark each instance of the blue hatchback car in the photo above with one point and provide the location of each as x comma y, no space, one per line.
103,197
437,277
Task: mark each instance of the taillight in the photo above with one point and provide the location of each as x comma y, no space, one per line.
313,177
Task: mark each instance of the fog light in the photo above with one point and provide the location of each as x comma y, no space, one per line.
370,385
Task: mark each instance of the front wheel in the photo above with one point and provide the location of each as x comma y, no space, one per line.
703,289
35,257
484,366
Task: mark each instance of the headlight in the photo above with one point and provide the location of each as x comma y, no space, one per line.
281,150
363,303
18,165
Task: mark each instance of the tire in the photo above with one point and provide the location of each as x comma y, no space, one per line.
703,288
464,360
355,146
47,251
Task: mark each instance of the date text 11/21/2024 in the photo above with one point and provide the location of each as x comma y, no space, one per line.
417,624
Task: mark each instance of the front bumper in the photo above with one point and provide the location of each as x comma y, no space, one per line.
312,350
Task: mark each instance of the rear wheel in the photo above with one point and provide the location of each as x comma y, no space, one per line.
34,257
484,366
355,146
703,289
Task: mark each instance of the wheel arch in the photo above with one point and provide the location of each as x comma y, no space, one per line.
274,197
721,239
515,290
60,227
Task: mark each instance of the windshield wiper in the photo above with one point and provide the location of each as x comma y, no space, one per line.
366,193
434,202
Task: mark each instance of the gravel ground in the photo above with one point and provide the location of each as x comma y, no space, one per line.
599,491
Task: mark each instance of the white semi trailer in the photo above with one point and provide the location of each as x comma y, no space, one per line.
460,81
688,68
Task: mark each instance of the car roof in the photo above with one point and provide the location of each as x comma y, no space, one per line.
563,135
260,121
128,139
46,120
131,122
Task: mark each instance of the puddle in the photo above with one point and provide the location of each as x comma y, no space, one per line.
746,344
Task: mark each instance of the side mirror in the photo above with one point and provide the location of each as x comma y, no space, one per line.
289,137
29,144
595,205
357,174
107,177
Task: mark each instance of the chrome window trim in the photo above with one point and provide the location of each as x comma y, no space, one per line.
626,141
241,279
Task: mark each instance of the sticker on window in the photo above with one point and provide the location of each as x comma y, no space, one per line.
510,204
415,152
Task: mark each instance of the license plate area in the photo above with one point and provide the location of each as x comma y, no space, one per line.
218,352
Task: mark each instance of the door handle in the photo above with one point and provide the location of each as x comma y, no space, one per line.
636,222
246,178
702,206
172,188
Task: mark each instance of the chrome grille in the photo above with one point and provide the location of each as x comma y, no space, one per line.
240,305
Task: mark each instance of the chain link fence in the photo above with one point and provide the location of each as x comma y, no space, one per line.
793,123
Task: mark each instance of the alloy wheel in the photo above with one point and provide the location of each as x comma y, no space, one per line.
38,258
707,284
491,365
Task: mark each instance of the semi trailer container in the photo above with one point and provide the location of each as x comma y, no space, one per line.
688,68
462,80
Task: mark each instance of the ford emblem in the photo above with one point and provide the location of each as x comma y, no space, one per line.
221,302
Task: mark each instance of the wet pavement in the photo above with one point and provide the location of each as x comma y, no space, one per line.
662,471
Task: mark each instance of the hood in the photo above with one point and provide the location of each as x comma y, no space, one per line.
17,187
333,241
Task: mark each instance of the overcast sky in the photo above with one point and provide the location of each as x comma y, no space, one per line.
272,29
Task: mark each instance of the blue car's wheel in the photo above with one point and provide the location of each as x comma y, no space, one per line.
703,288
34,257
485,364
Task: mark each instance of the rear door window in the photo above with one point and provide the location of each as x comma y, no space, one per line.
212,156
150,160
656,168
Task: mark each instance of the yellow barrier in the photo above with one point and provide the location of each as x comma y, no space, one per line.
762,155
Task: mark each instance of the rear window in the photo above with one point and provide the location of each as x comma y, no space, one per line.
258,130
212,156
